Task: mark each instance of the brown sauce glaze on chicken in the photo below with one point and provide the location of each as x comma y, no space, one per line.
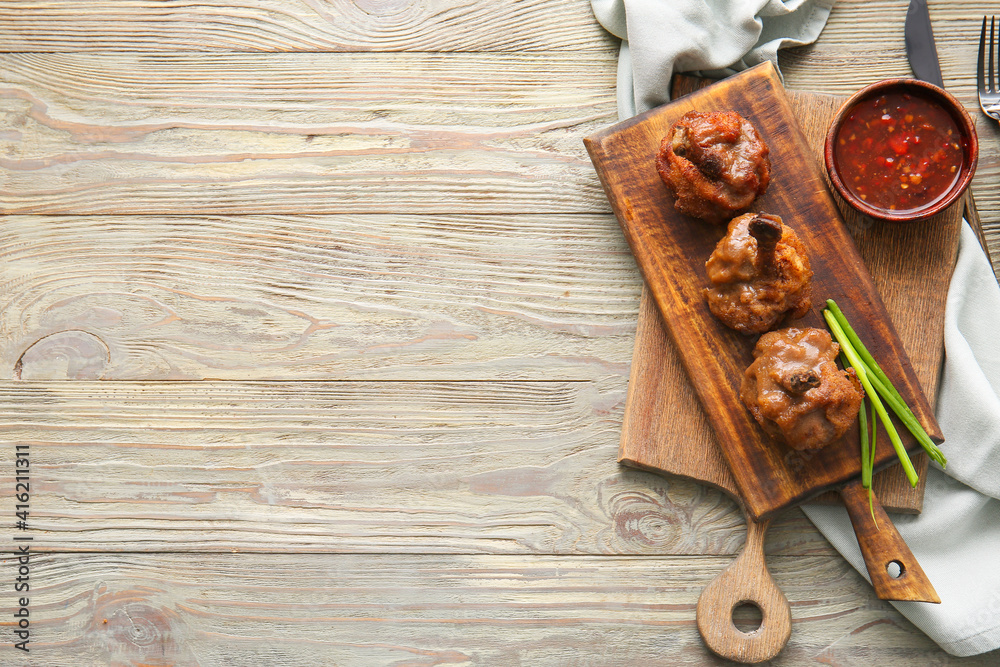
759,274
715,164
795,390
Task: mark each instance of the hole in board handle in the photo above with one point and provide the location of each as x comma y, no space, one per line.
747,617
895,569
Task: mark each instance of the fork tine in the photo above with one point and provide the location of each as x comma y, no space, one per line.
993,42
982,53
994,47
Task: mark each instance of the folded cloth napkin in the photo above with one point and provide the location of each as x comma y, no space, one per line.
957,537
706,37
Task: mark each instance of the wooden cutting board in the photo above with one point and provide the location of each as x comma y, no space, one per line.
664,427
671,250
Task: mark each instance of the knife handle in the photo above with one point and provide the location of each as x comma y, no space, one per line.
882,546
746,580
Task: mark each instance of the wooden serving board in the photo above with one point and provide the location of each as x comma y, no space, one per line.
664,427
671,250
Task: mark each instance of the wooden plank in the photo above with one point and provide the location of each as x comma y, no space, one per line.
862,42
320,609
404,467
302,133
298,25
319,297
671,248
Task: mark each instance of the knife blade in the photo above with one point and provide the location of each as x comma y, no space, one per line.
920,48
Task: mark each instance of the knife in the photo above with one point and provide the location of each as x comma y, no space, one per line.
920,49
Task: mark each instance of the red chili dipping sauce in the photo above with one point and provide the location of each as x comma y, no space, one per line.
899,151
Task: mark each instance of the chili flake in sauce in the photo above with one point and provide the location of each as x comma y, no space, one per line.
899,152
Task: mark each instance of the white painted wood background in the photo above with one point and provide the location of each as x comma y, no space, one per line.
318,325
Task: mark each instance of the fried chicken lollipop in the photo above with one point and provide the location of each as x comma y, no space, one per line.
759,273
715,164
795,391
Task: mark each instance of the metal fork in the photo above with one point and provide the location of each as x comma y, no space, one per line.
989,102
989,96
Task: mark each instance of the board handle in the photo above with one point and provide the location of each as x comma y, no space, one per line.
894,571
746,580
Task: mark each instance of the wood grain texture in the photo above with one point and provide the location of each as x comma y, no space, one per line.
670,250
855,49
746,581
664,428
304,610
155,112
318,297
884,549
298,25
403,467
302,133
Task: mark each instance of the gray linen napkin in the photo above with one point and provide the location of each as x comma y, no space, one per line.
707,37
957,537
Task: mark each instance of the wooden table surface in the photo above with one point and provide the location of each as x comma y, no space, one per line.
316,325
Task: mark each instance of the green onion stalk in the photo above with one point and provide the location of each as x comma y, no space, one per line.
880,381
871,465
862,372
866,467
867,451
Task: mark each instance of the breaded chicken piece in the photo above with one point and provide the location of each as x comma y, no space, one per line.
715,164
795,390
759,273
